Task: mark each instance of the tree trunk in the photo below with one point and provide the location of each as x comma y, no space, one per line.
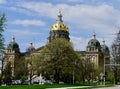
56,76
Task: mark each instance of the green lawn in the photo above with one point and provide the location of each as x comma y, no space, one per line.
45,86
34,86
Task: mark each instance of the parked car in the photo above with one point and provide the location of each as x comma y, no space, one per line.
16,82
35,82
48,82
61,82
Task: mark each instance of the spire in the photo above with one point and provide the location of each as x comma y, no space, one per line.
60,16
103,42
13,38
94,35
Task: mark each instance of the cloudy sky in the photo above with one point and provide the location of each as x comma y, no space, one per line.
30,20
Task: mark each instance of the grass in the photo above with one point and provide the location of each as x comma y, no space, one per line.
48,86
35,86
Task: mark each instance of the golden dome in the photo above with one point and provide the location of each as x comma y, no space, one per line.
59,25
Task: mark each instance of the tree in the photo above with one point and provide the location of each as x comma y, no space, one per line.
2,25
31,67
7,74
115,53
87,70
58,60
20,68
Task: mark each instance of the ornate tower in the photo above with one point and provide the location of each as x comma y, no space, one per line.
97,53
93,51
105,49
12,54
106,52
59,29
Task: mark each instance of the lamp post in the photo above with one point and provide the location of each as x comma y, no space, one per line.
92,73
74,72
104,68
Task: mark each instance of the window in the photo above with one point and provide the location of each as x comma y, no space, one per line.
91,49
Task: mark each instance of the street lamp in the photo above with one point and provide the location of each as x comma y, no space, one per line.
92,73
101,77
104,67
74,72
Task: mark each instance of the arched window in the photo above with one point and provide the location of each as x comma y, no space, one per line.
92,49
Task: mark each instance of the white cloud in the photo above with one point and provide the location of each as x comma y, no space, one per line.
79,43
29,22
21,10
82,1
75,0
100,17
41,8
23,33
2,1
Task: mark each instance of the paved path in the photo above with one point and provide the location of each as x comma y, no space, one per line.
115,87
71,87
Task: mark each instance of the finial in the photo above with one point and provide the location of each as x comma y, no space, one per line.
94,35
60,16
60,13
103,42
13,38
31,44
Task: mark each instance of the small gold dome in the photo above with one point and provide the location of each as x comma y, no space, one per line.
59,25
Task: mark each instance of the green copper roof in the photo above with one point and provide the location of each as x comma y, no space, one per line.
94,42
30,49
13,45
104,48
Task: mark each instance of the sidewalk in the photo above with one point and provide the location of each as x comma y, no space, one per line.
75,87
113,87
70,87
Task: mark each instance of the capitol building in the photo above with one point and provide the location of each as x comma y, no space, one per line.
95,50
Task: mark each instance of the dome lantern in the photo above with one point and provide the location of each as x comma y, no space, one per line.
60,16
103,42
13,38
94,35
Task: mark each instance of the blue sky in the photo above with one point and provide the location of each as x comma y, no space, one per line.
30,20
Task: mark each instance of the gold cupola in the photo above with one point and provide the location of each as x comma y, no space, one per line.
59,25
